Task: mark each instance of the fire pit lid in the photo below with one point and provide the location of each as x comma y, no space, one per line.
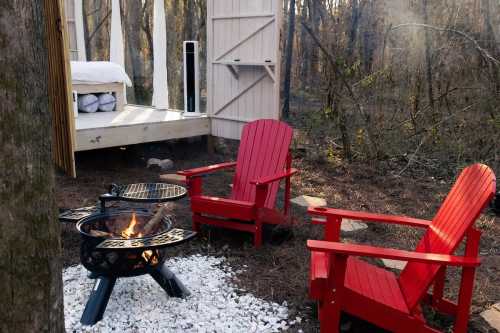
163,239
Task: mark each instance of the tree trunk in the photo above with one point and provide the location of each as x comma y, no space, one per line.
305,48
86,10
314,22
133,23
428,57
288,60
30,267
189,19
490,41
370,35
353,30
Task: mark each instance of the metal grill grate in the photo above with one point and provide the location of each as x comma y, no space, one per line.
167,238
152,192
78,214
75,215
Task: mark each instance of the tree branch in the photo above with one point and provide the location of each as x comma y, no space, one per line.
99,26
482,52
344,81
427,136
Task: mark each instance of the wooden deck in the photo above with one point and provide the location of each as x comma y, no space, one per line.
135,124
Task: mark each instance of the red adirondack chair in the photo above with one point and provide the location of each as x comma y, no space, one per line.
263,160
342,282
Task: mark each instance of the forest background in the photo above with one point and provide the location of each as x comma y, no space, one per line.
415,83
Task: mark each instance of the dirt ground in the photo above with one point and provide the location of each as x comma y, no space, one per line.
279,270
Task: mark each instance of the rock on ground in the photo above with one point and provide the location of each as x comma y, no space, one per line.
157,164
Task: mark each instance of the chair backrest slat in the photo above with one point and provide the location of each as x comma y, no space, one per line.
263,151
471,193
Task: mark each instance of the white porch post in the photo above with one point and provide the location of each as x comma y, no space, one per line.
116,50
160,83
80,34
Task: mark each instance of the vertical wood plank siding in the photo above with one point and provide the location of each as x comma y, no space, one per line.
59,91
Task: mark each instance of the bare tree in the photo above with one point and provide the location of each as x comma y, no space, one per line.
30,266
288,60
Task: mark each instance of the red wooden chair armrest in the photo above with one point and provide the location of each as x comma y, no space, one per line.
364,216
206,169
388,253
269,179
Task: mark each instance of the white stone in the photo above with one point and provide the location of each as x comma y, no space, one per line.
153,161
349,225
163,165
308,201
139,304
395,264
492,316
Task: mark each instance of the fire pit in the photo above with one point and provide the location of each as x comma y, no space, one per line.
124,243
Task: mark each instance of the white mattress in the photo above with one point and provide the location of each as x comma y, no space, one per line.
92,72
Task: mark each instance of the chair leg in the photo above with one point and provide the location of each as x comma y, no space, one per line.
196,225
464,300
257,240
331,310
329,315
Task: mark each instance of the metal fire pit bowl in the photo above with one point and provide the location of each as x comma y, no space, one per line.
126,257
111,258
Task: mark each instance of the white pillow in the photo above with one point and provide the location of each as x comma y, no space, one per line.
107,102
88,103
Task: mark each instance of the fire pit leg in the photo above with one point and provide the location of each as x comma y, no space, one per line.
169,282
98,300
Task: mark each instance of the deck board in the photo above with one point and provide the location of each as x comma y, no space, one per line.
133,125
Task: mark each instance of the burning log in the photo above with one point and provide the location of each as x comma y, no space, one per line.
155,220
99,233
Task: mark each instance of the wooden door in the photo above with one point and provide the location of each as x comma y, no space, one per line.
243,79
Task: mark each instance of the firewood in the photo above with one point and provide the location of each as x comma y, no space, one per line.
99,233
155,220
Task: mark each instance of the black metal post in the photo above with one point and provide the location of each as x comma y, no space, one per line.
169,282
98,300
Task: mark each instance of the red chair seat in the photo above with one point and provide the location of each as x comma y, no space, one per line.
223,208
362,279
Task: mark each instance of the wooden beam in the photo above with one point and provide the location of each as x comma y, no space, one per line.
250,35
241,16
270,72
234,71
228,118
241,93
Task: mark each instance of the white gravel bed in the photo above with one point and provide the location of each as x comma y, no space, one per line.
139,304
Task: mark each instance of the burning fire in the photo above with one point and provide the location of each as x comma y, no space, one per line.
147,256
130,231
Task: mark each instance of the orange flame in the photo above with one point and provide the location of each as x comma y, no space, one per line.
129,232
